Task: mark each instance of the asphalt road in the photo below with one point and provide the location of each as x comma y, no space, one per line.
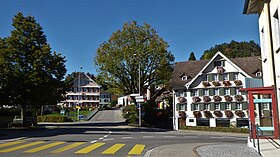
105,135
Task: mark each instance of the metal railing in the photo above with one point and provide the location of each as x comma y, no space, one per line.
255,127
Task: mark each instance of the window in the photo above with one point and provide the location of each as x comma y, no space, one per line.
236,91
206,92
177,93
226,91
185,93
195,107
225,76
258,74
265,106
184,77
217,106
206,107
215,77
235,76
228,106
205,78
238,106
195,92
216,91
218,63
182,107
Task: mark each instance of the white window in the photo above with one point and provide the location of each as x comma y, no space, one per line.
206,92
238,106
216,91
225,76
195,107
195,92
215,77
226,91
206,107
235,76
258,74
184,77
182,107
217,106
228,106
236,91
265,106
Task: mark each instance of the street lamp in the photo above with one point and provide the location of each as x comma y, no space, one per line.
139,104
79,93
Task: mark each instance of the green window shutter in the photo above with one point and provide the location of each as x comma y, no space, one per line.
231,76
244,106
223,106
221,91
200,92
233,106
210,77
201,107
211,91
220,77
232,91
192,107
177,107
212,106
186,107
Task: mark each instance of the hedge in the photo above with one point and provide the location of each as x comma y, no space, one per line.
47,118
215,129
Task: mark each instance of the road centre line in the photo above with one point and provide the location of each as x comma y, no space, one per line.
148,136
109,139
126,138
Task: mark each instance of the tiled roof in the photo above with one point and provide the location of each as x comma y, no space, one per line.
250,65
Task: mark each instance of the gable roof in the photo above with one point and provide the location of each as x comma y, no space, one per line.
84,76
249,65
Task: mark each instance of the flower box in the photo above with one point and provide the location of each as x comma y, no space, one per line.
238,97
206,98
205,83
208,114
197,114
228,98
228,114
196,99
240,113
216,83
226,83
217,98
238,82
218,113
182,100
220,70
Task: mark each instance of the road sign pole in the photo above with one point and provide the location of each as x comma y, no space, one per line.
139,114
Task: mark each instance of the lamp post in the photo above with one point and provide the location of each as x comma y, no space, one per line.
79,93
139,103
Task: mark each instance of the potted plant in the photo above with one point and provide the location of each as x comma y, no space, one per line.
228,98
197,114
238,82
240,113
238,97
226,83
216,83
182,100
228,114
196,99
218,113
220,70
217,98
206,98
205,83
208,114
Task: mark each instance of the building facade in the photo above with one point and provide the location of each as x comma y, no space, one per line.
84,92
105,98
269,30
206,92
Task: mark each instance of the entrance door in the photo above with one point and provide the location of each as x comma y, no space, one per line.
263,114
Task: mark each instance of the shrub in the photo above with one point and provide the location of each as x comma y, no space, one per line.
238,97
215,129
197,114
208,114
54,119
196,99
206,83
238,82
229,114
218,113
228,98
206,98
240,113
217,98
216,83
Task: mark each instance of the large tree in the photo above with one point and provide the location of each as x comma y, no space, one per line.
118,59
233,49
31,74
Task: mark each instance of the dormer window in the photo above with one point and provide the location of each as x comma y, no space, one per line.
259,74
219,63
184,77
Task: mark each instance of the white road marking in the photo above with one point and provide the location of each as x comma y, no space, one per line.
126,138
101,138
93,141
105,136
218,137
108,139
148,136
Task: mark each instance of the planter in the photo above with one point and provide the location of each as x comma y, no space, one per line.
216,83
206,83
206,98
238,82
217,98
182,114
220,70
228,98
196,99
182,100
218,113
208,114
238,97
197,114
240,113
228,114
226,83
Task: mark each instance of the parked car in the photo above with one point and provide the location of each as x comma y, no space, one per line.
82,117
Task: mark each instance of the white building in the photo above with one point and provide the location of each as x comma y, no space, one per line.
206,92
85,93
105,98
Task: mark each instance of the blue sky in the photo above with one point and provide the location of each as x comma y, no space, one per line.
76,28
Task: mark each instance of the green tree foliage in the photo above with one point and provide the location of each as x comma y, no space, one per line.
192,56
31,74
118,59
233,49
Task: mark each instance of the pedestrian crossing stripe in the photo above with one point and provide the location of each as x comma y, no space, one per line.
10,143
43,147
113,149
89,148
70,146
21,147
137,149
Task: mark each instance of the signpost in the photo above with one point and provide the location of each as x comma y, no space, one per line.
139,99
